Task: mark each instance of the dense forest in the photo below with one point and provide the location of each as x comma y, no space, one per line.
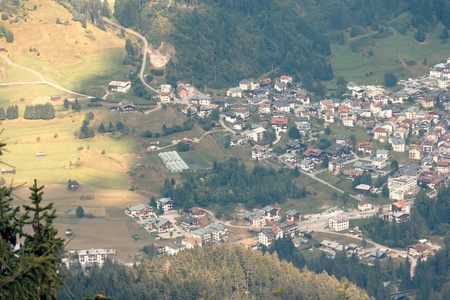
222,271
231,183
221,42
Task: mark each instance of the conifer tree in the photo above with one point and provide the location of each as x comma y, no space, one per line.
2,114
31,270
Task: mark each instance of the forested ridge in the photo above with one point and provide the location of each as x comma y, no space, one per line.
222,271
219,42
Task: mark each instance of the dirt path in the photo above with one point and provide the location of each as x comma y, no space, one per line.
43,81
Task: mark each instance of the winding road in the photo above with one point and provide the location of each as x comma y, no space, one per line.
144,50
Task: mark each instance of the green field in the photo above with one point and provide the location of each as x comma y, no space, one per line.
26,138
90,75
353,66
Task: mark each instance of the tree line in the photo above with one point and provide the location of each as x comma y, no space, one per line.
12,112
39,112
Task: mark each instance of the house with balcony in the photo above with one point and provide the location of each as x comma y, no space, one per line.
255,219
271,213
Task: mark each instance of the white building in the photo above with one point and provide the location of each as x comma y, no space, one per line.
364,206
255,134
338,224
174,248
88,258
120,86
267,235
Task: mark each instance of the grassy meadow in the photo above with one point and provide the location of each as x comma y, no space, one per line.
386,53
81,59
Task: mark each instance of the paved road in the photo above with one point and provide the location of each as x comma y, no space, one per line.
222,123
43,81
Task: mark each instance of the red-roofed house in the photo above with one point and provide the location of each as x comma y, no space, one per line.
265,82
442,166
286,79
366,147
280,124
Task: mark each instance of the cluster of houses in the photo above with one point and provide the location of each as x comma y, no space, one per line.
145,215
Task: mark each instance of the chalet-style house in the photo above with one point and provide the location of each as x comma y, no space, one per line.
271,213
165,203
126,107
293,215
139,210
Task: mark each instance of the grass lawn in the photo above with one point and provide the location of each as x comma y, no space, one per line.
380,200
353,66
319,200
358,222
340,182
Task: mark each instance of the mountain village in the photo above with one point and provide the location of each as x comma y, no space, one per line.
408,150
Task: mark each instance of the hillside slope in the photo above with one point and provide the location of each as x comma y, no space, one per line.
67,54
220,42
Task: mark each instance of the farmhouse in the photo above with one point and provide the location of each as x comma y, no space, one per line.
161,224
120,86
365,147
364,206
189,221
235,92
280,124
